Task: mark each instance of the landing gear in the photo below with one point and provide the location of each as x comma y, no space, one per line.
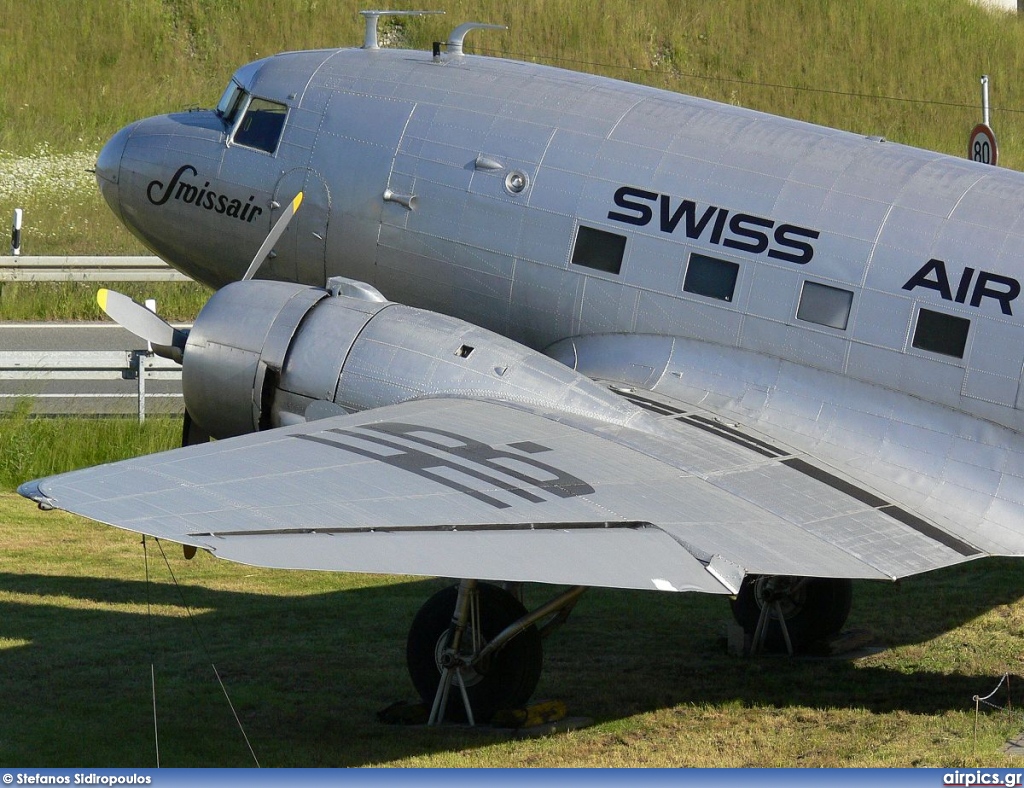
812,609
440,654
473,650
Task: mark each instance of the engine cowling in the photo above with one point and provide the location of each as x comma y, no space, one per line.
261,354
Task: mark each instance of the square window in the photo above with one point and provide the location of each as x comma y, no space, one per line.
941,333
824,305
598,249
708,276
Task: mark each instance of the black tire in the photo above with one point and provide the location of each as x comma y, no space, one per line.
508,678
815,610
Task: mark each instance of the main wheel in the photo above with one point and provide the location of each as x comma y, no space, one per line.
814,608
505,680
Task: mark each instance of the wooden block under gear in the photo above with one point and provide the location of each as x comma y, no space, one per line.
535,714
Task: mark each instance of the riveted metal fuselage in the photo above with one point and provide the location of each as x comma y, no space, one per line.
549,205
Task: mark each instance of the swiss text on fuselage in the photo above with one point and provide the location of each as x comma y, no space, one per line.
733,230
203,197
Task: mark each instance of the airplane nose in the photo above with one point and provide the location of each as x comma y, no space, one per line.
108,168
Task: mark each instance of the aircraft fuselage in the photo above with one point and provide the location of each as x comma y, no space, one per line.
547,205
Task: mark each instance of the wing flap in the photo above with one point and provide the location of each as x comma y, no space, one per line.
628,556
858,523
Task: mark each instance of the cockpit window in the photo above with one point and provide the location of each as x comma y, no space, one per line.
227,107
261,125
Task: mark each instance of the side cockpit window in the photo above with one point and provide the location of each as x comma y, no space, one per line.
261,125
230,103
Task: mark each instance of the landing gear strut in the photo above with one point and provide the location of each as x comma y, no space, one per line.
478,640
792,613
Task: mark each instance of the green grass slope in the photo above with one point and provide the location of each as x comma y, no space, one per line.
73,73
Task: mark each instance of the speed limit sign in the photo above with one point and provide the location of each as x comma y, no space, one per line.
981,145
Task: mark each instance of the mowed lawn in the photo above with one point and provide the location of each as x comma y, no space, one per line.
88,614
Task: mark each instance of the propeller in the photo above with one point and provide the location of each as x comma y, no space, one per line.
274,237
167,341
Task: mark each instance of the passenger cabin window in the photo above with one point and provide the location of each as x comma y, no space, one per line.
261,125
711,277
599,249
825,305
941,333
230,102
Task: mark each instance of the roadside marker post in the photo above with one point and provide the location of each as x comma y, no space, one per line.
16,233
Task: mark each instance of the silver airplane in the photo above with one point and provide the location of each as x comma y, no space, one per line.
531,325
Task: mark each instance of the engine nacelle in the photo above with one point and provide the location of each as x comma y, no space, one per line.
261,353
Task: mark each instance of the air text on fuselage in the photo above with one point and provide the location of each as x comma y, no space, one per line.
933,276
741,231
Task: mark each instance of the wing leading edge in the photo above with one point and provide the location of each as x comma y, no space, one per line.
463,488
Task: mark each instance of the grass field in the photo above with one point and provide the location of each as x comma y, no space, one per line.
308,659
904,69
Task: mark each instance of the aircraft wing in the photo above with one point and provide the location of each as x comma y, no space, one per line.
464,488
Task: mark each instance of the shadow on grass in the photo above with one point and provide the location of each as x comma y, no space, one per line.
307,674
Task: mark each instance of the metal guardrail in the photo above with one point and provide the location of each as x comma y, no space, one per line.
19,368
87,269
138,365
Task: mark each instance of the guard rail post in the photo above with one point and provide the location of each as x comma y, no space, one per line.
18,366
139,359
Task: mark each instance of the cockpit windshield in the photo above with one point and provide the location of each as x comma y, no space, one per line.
251,121
230,102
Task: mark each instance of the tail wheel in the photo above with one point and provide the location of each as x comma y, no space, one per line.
814,609
505,680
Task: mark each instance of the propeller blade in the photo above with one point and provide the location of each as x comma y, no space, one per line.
166,340
274,237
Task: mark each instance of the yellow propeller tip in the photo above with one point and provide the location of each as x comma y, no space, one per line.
101,298
297,201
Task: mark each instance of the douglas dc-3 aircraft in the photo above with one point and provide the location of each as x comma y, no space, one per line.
574,332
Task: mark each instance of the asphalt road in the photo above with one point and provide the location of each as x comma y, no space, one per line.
67,336
113,397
